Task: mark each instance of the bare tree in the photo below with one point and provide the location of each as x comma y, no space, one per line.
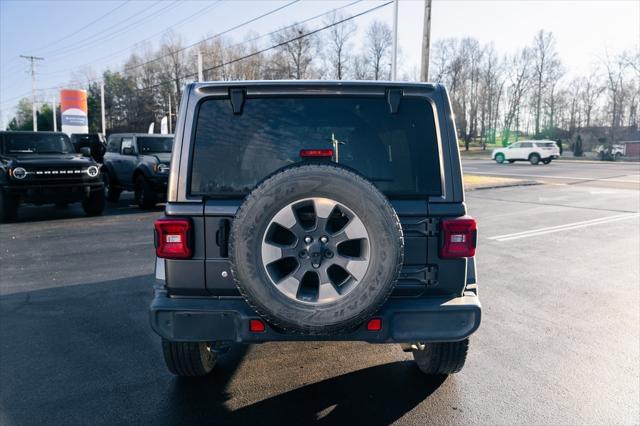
174,60
520,82
297,50
615,71
377,44
546,64
338,45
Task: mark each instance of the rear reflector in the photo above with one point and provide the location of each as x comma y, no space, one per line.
458,238
316,153
374,324
173,238
256,326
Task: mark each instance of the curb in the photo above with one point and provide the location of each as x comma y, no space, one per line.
507,185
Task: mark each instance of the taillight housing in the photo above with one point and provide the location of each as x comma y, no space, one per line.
173,238
458,237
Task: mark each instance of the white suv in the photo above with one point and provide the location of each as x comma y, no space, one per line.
532,151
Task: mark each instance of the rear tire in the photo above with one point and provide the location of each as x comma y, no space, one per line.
534,159
94,205
8,207
499,158
189,359
442,358
145,196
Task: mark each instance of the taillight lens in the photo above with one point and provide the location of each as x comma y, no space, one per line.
459,237
316,153
173,238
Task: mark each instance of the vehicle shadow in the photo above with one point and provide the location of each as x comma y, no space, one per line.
78,354
33,213
376,395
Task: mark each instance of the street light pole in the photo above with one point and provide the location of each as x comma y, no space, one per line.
426,41
53,110
104,124
33,60
394,57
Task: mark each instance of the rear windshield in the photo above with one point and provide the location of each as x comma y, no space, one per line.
152,145
36,143
547,144
397,152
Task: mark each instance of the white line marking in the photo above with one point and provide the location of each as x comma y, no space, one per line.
603,179
566,227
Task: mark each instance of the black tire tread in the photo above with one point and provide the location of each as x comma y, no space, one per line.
243,211
184,359
442,358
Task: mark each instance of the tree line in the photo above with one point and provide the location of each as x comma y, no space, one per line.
496,97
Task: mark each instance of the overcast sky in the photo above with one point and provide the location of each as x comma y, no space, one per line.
584,30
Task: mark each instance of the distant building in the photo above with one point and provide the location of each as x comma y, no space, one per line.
632,148
591,136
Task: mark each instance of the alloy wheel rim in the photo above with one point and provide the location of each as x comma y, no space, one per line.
315,250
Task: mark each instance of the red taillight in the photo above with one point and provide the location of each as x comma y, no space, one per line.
173,238
256,326
459,237
374,324
316,153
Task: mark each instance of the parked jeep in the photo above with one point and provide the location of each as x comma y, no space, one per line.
302,211
43,168
139,163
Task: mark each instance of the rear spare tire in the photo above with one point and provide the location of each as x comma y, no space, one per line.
316,249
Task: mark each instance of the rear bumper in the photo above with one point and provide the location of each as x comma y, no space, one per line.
227,319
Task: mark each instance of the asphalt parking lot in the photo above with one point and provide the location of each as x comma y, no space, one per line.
558,268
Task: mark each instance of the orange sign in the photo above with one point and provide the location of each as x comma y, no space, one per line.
73,99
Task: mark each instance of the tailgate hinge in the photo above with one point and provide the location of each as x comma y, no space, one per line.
431,276
432,227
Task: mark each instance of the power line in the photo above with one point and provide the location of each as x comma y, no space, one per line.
215,35
120,28
214,5
275,46
254,53
84,27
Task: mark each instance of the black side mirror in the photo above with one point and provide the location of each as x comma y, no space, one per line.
86,151
127,151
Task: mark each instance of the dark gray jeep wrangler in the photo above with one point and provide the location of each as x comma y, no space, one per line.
302,211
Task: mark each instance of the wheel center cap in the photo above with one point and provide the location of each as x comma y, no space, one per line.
315,250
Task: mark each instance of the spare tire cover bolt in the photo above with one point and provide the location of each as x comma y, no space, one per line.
308,239
323,239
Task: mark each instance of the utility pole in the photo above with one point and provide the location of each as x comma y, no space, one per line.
53,110
426,41
102,112
33,60
169,121
394,57
200,74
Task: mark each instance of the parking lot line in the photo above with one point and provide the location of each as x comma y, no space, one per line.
561,177
565,227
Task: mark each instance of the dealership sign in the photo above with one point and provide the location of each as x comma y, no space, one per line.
73,105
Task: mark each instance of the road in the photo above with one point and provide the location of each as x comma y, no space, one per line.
570,172
559,342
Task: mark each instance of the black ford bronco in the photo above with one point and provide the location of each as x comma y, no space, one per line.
43,168
302,211
139,163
